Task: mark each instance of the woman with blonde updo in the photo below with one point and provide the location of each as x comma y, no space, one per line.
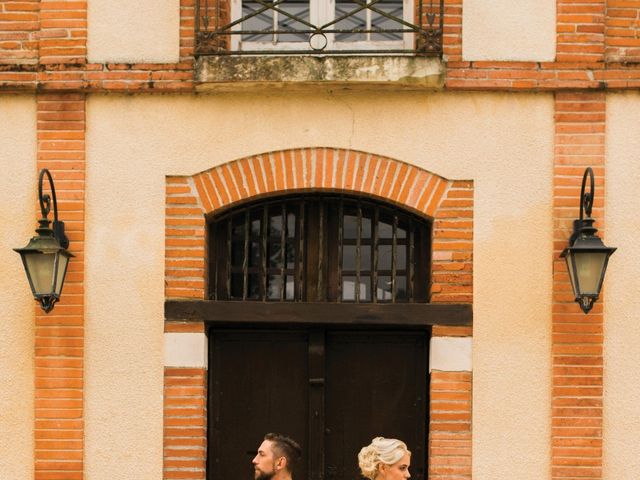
385,459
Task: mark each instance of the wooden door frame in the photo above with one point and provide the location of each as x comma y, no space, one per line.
407,315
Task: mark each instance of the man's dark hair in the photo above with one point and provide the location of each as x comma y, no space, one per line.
284,446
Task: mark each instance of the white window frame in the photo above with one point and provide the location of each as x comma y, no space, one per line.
322,12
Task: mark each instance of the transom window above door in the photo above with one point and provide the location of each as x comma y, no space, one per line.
319,26
319,248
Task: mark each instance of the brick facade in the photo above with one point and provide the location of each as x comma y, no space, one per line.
43,52
59,344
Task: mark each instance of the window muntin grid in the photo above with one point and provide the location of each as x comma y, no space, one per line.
355,251
316,25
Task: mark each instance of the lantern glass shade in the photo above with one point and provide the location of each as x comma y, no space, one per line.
46,271
45,263
586,270
587,261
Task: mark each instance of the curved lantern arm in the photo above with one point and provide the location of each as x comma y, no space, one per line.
586,199
45,208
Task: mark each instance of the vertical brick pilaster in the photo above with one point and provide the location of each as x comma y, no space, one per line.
185,423
185,415
63,44
623,31
450,426
577,339
185,253
59,343
452,33
452,264
580,31
187,29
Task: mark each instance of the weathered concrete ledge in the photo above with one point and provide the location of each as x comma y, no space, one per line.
229,72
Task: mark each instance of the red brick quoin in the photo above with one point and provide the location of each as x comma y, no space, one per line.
448,203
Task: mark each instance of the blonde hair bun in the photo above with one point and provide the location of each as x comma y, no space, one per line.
380,450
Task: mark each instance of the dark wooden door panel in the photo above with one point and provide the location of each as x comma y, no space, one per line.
259,384
332,390
375,386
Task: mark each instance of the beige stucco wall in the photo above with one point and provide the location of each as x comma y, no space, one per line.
18,184
622,284
509,30
134,142
145,31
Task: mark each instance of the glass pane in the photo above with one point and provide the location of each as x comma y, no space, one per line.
401,231
273,287
254,254
365,258
385,227
292,14
237,254
237,283
589,266
401,257
253,290
349,288
366,224
355,19
275,222
401,287
63,263
349,257
237,226
40,267
256,222
383,291
365,288
275,255
387,20
291,224
350,226
263,22
290,288
571,270
385,257
291,254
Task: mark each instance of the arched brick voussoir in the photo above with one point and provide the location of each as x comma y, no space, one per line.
322,169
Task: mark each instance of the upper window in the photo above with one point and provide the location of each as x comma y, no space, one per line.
319,248
319,26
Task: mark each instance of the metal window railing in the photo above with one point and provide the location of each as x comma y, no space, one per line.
353,27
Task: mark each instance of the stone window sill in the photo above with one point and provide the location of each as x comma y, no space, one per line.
234,72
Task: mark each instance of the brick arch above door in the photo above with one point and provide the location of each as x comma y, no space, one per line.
448,202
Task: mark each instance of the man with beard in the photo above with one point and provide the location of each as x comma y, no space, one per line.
276,458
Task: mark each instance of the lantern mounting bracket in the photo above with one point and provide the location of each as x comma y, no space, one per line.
45,208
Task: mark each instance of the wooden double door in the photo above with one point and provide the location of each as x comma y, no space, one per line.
332,390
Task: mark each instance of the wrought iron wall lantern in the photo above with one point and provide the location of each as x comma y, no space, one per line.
46,258
586,256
